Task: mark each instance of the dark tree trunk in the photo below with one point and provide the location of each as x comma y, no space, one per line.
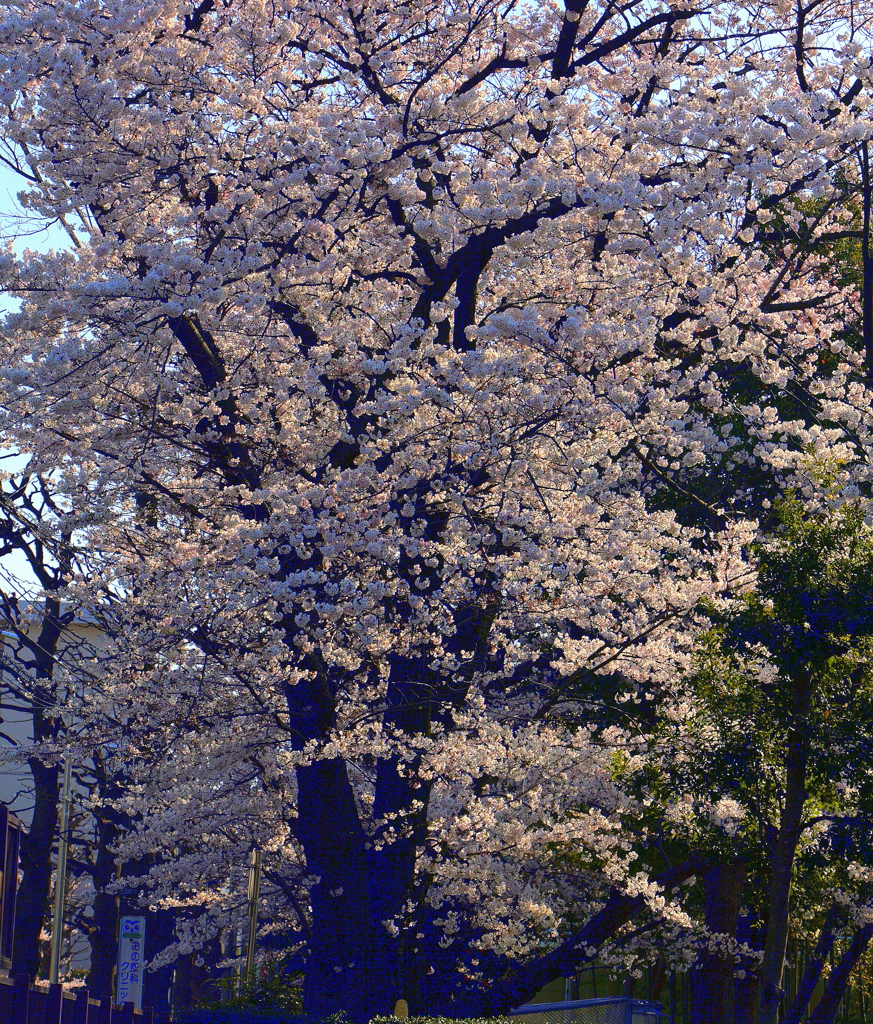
712,981
519,984
36,870
183,989
749,931
782,858
103,930
392,868
205,977
838,980
347,966
159,934
36,846
813,970
656,980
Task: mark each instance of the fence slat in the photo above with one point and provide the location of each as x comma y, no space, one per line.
77,1012
37,1004
7,992
20,999
104,1014
24,1002
53,1002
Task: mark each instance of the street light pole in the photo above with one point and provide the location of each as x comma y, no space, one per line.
254,895
61,878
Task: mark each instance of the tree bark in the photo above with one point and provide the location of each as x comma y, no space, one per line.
346,968
183,987
205,977
782,862
36,869
712,981
521,983
749,931
656,980
359,933
103,930
827,1007
813,970
159,934
36,846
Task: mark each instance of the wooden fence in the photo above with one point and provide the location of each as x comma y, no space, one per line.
24,1003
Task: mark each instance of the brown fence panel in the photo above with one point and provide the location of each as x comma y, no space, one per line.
54,999
77,1013
20,999
35,1005
24,1003
7,992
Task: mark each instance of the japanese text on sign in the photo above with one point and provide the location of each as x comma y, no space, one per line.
131,949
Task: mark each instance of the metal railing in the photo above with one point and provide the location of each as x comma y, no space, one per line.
609,1010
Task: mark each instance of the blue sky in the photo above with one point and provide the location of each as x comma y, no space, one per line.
23,236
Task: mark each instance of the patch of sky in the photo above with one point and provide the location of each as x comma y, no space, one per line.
21,229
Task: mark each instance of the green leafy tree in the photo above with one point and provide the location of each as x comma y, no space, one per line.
777,743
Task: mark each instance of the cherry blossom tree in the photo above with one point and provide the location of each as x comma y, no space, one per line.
46,667
34,529
400,361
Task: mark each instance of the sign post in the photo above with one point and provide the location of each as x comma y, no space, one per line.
131,950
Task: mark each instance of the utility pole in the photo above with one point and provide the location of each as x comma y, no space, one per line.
61,877
254,896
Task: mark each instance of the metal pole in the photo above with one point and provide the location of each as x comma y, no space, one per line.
254,895
61,877
238,971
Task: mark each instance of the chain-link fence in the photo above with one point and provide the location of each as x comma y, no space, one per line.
611,1010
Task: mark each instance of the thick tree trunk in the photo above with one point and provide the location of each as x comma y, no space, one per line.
782,860
712,982
347,968
826,1010
404,807
192,983
36,846
360,960
205,977
183,989
159,934
749,931
159,923
36,870
103,930
656,980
